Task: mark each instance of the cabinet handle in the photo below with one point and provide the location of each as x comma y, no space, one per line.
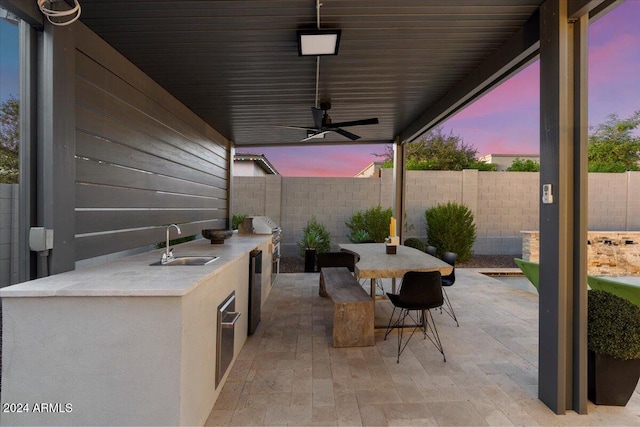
230,318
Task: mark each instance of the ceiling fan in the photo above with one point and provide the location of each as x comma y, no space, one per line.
322,124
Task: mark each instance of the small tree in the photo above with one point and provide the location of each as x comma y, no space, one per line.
450,228
9,141
437,151
522,165
612,146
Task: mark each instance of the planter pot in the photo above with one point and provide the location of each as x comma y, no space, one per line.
611,381
309,260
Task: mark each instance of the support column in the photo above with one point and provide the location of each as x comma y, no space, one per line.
563,221
57,148
27,216
399,175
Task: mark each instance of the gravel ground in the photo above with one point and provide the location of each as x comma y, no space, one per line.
296,264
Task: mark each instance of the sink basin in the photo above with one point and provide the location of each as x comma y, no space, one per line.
189,260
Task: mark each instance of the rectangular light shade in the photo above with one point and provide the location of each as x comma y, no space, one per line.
318,42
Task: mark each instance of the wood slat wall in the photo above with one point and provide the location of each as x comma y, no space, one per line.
142,159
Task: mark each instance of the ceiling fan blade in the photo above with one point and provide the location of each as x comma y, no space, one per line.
351,136
315,135
317,117
353,123
296,127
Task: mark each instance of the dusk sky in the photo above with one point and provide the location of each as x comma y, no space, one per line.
506,120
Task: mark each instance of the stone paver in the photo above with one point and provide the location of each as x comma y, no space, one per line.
288,373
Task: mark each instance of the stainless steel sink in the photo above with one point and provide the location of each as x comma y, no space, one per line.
189,260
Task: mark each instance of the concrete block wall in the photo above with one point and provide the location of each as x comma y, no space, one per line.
507,204
426,189
332,200
504,203
249,194
608,197
633,201
8,234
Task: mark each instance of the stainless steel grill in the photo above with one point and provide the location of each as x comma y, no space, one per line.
265,225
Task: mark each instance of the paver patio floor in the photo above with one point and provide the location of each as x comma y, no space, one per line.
288,373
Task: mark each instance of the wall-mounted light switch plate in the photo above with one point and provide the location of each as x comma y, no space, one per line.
547,193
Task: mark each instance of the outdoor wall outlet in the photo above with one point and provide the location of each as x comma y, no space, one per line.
547,194
40,239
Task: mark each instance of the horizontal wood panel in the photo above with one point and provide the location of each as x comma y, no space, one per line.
97,50
97,148
95,123
105,174
90,73
99,196
93,246
97,221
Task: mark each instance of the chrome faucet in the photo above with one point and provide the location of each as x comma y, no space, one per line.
167,255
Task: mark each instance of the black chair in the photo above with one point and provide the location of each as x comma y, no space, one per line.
334,259
421,291
431,250
355,254
449,280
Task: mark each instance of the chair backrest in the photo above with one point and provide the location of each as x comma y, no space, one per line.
355,254
531,271
336,259
421,289
450,258
431,250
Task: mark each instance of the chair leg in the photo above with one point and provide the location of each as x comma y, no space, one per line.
448,307
436,337
419,323
389,327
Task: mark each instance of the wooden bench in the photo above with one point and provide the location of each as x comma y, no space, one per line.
352,308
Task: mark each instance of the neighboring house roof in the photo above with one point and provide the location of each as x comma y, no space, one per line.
373,169
258,159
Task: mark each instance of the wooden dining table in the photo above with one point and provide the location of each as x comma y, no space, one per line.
375,263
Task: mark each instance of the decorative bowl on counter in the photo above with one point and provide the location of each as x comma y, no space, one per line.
216,236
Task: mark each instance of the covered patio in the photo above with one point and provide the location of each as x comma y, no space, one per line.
288,373
135,112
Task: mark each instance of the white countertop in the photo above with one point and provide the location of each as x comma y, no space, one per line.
134,276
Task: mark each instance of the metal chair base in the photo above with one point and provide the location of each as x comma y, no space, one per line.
421,323
448,308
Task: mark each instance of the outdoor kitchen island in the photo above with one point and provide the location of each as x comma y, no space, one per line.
124,343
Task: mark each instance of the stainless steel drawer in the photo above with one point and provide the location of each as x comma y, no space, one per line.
227,318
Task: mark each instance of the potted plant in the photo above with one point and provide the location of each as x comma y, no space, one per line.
614,348
315,238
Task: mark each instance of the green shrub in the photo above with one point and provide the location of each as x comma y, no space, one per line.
450,228
613,327
359,236
315,236
412,242
374,221
524,165
236,220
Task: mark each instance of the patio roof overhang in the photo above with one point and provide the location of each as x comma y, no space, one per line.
236,64
412,64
